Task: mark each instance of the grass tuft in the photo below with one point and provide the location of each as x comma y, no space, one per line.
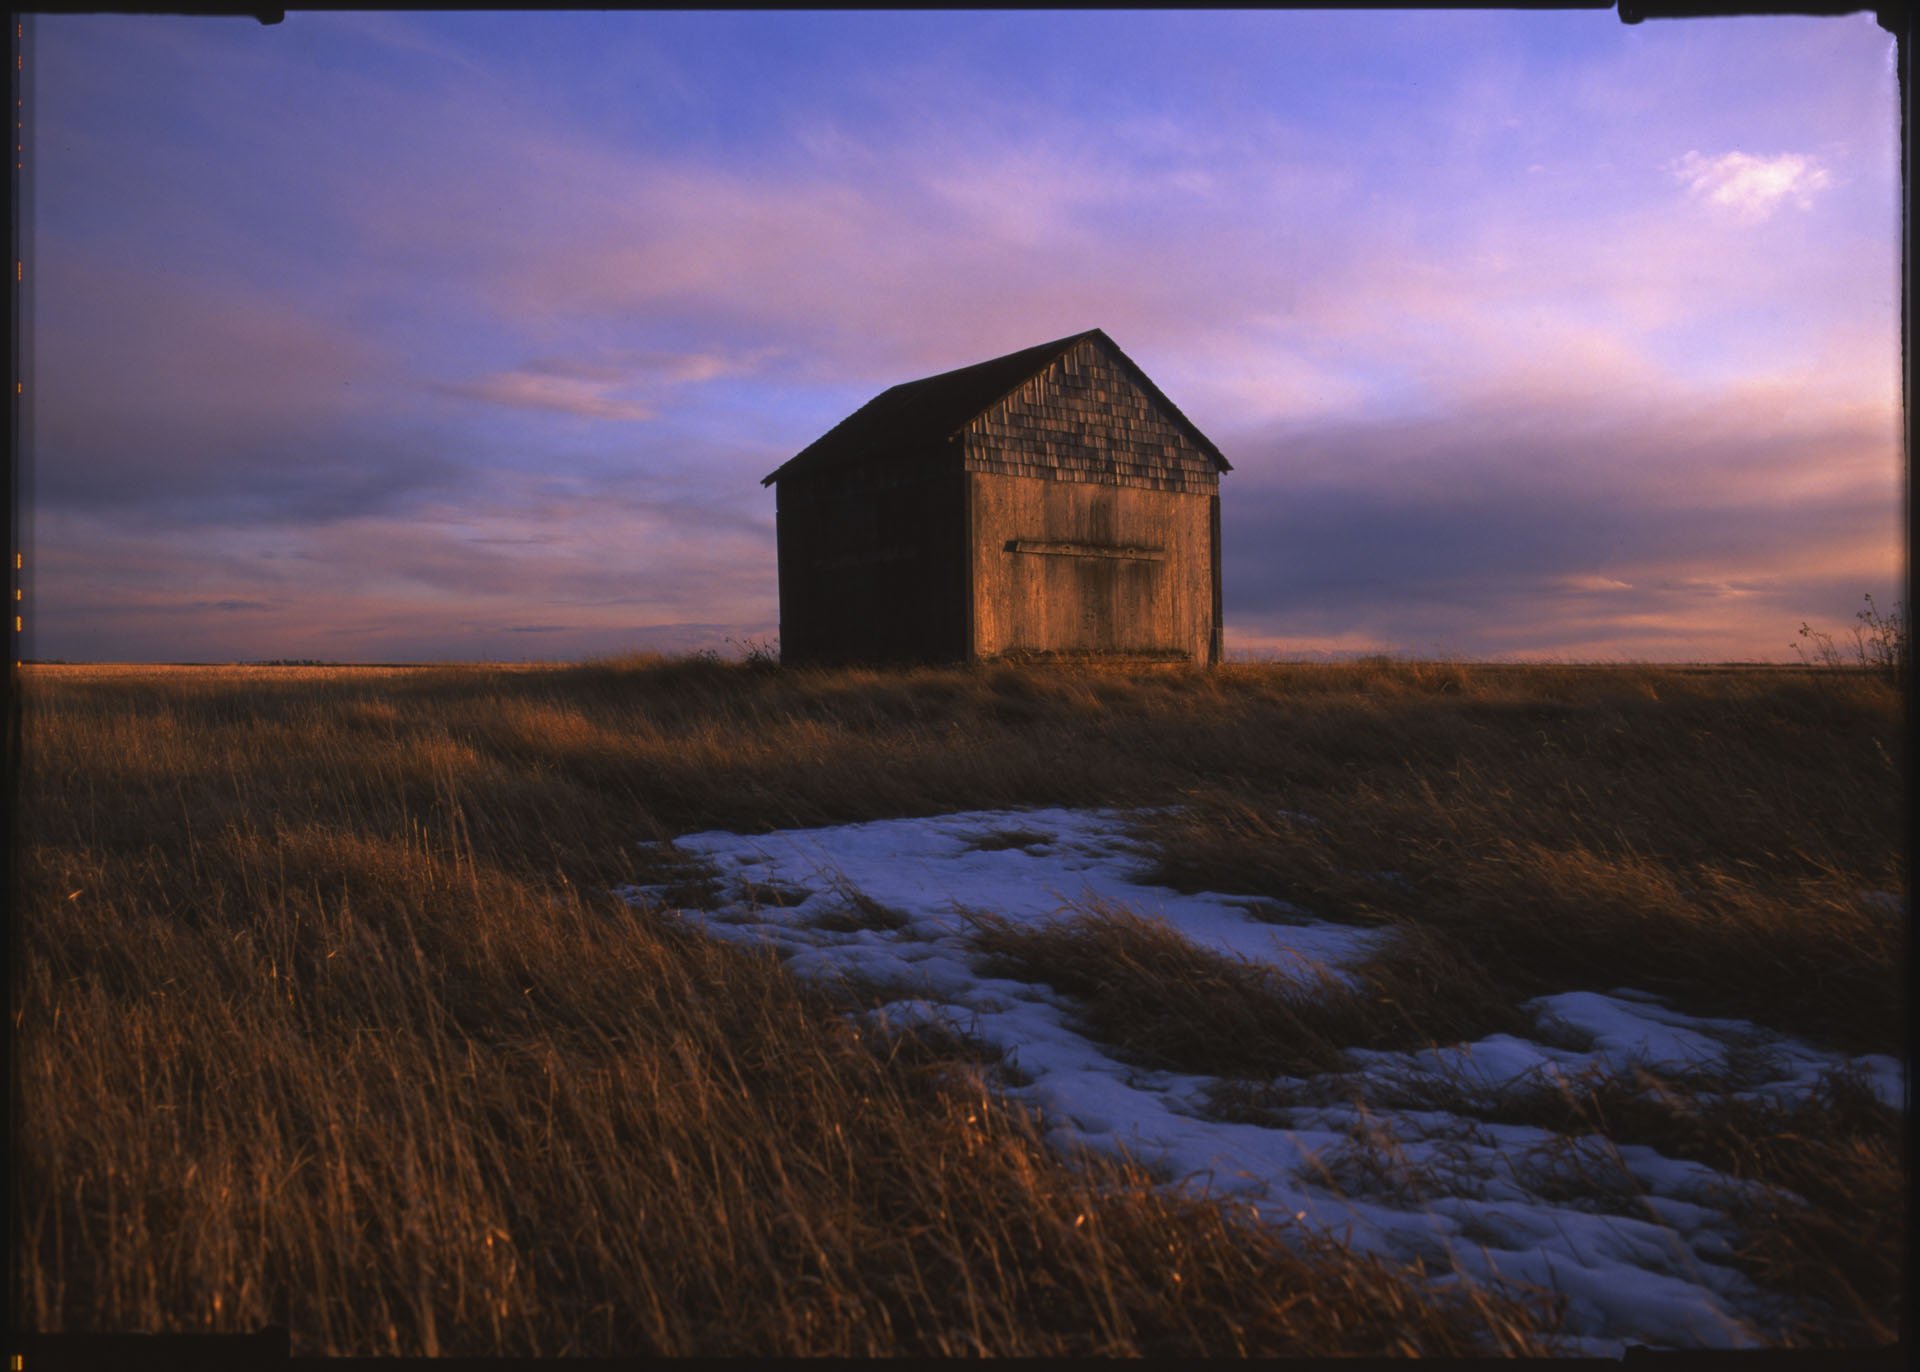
1143,988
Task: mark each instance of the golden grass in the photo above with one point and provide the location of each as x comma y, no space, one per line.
1144,989
323,1018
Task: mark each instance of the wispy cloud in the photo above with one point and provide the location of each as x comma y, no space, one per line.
612,383
533,390
390,30
1568,527
1751,187
1593,581
472,575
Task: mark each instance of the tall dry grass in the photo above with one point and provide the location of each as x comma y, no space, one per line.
323,1017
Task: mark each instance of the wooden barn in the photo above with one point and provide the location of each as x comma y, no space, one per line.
1051,502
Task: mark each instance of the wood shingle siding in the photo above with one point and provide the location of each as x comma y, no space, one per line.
1052,501
1084,419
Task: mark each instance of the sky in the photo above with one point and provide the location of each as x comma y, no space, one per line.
423,336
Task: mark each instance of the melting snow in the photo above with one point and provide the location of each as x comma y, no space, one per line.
1642,1259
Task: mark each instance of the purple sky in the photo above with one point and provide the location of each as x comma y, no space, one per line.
410,336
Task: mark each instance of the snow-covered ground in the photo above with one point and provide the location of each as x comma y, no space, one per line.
1640,1258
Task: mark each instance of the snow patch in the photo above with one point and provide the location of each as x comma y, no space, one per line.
1635,1245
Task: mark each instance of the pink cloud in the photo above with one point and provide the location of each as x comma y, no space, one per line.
536,391
881,254
1593,582
178,347
614,384
599,570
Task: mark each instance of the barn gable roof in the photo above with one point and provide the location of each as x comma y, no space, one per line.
917,416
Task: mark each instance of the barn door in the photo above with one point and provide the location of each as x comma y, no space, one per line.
1089,597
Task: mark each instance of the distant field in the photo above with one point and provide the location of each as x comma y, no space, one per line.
325,1016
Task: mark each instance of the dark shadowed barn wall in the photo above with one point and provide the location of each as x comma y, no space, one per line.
873,564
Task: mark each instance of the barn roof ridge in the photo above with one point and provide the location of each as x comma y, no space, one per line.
937,407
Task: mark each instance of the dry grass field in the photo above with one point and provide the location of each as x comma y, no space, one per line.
324,1017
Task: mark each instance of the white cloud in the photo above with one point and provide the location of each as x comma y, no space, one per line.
1593,581
1752,187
